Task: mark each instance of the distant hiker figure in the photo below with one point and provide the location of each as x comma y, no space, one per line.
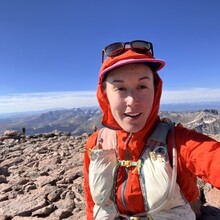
23,131
140,166
94,128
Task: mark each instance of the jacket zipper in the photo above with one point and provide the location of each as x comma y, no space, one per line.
124,184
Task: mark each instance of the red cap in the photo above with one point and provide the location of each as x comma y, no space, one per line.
129,57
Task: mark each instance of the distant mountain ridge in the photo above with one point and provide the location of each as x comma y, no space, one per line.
81,120
205,121
76,121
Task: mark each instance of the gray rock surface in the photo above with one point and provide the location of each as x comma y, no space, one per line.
41,177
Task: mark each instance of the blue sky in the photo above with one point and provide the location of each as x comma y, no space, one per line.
50,50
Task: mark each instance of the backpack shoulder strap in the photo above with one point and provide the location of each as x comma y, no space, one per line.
161,131
107,138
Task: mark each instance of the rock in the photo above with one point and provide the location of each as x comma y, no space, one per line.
23,205
3,179
45,211
41,178
213,197
55,195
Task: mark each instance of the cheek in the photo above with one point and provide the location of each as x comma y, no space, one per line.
114,101
151,98
147,102
147,97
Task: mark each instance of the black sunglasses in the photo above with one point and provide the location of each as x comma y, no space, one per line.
118,48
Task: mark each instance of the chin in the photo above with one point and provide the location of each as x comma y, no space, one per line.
132,129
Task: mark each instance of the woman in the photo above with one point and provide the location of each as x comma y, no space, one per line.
130,167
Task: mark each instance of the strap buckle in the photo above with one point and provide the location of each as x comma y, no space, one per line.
125,163
147,217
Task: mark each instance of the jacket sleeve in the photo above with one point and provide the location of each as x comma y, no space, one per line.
88,198
200,154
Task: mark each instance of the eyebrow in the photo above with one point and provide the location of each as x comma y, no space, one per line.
145,77
117,81
121,81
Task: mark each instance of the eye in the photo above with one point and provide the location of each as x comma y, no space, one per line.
121,89
142,87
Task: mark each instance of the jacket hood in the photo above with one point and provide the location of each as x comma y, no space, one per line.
108,119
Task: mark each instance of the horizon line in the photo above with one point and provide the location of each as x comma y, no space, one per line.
39,101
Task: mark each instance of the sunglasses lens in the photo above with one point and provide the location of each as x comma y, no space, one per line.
141,46
114,49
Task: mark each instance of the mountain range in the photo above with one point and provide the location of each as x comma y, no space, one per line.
82,120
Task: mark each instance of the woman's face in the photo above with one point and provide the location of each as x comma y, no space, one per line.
130,92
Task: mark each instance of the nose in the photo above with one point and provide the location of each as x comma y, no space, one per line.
132,98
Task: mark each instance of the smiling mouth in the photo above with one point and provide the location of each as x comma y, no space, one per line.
132,115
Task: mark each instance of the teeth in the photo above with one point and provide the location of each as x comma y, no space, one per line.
133,115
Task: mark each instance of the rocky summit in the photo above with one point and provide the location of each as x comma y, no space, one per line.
41,177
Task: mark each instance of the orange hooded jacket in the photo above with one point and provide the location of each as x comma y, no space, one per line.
198,155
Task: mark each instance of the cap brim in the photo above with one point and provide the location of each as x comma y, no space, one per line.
155,64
